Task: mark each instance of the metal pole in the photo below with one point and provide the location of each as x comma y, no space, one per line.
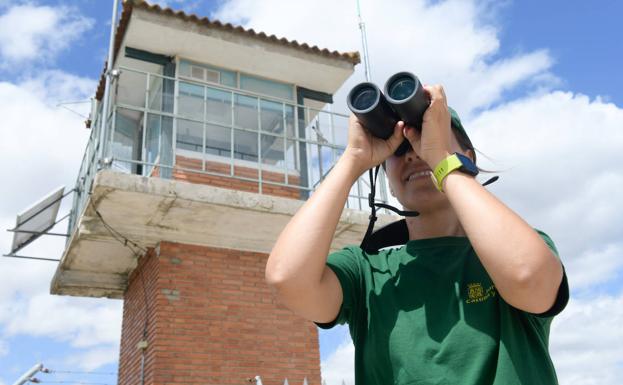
35,258
364,43
28,375
109,65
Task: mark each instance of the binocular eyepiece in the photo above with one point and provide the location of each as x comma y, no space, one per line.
403,99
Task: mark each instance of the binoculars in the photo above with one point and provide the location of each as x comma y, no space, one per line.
403,99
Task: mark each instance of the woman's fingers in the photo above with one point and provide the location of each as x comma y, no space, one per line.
397,137
436,93
414,137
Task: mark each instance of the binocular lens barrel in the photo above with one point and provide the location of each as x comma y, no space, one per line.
365,97
370,107
404,99
407,97
401,88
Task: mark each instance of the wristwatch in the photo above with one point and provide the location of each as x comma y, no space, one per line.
456,161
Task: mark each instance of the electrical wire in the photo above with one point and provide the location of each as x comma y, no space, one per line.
78,372
71,382
117,235
133,246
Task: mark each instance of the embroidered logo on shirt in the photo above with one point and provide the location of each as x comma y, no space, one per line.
476,293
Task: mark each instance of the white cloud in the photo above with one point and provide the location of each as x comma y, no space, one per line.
41,146
587,341
94,358
82,322
448,42
339,366
556,153
596,266
36,34
45,143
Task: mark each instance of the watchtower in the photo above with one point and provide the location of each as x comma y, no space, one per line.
204,145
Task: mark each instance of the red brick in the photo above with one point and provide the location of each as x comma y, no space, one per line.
223,327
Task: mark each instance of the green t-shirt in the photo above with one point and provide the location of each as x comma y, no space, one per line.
428,313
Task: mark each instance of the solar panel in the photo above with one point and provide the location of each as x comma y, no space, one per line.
37,219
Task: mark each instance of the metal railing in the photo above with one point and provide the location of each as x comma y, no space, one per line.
165,127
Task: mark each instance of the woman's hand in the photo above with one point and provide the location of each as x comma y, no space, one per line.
433,144
365,149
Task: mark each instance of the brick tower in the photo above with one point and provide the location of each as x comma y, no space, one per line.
204,144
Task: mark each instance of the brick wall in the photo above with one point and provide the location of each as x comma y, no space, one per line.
139,306
184,165
212,320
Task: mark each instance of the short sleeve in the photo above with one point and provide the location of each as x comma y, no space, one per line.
562,297
346,264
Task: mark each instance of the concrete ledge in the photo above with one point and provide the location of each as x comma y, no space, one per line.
150,210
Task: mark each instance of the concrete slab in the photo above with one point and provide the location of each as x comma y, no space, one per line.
150,210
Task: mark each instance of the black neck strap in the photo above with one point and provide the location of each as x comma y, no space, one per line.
366,242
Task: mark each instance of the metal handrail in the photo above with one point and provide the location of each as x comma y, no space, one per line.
92,161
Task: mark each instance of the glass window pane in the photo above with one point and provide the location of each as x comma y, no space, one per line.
218,140
326,160
273,163
156,99
189,145
184,68
203,72
290,124
292,159
130,88
126,140
271,116
166,147
323,126
313,168
152,139
218,106
266,87
312,125
245,145
272,151
340,129
228,78
190,101
245,112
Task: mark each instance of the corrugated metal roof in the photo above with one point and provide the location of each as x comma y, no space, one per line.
129,5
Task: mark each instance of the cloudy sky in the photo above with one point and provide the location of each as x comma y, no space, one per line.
538,86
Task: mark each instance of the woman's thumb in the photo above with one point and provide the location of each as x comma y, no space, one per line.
397,137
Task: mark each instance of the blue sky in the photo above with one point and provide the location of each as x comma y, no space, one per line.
547,71
581,36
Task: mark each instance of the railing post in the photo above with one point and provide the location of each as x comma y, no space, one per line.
109,65
259,145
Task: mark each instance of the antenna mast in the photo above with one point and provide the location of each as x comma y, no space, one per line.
364,43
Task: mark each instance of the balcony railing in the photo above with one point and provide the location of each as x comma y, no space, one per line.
174,128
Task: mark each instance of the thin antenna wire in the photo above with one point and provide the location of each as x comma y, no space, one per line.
78,372
64,105
73,111
364,43
70,382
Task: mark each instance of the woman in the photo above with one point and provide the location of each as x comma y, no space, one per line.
468,300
